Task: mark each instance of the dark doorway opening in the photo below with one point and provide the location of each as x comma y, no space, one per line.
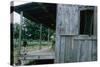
86,22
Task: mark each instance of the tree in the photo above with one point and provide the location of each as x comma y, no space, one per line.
31,30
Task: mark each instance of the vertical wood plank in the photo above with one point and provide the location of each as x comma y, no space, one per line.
89,50
78,47
62,51
68,49
94,50
84,50
57,43
95,21
74,51
57,49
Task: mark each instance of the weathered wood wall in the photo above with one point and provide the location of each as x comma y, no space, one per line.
67,19
77,48
70,46
65,25
84,48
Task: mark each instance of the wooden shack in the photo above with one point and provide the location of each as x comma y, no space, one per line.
76,33
76,28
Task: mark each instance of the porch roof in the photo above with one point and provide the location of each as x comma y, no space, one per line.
44,13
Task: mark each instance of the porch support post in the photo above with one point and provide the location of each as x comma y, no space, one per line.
48,36
40,36
20,33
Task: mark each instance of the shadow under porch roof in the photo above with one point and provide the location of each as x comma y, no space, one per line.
44,13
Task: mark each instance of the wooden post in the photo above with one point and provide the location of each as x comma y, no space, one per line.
48,36
95,22
12,37
40,35
20,32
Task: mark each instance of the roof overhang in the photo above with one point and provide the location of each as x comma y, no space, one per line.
44,13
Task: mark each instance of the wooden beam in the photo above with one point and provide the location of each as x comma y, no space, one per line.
40,36
11,34
20,30
20,33
48,36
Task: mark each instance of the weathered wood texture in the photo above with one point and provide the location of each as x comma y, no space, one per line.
95,21
77,49
67,19
66,23
85,49
70,46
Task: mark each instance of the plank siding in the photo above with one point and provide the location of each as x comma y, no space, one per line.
62,45
94,50
70,45
84,50
67,19
68,49
64,25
